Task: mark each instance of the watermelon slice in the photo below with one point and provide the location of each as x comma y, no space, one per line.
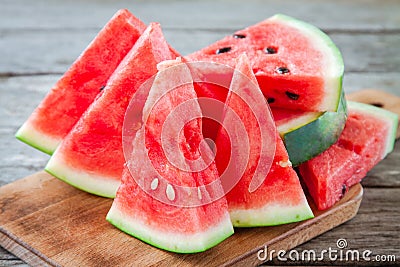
78,87
149,204
319,130
297,66
91,157
367,138
279,199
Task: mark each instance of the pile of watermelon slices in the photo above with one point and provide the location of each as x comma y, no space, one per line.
301,126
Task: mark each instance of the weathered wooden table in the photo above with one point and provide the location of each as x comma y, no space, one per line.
40,39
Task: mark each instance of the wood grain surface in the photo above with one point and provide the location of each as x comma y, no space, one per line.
40,39
45,221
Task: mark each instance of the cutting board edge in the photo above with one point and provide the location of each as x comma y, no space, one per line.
348,206
23,250
292,238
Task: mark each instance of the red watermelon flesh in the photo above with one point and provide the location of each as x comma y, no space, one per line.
296,65
367,138
279,199
78,87
211,81
155,216
91,156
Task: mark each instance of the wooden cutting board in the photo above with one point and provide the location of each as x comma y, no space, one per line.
46,222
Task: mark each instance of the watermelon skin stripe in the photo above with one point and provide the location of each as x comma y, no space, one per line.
183,243
318,134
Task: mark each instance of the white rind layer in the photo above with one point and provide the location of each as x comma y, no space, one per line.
333,67
298,122
89,182
33,137
271,214
174,240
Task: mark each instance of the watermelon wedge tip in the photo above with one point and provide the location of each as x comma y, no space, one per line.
91,156
72,94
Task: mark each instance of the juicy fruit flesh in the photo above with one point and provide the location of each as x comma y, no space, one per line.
194,228
325,182
290,50
170,228
362,144
78,87
277,48
281,186
94,145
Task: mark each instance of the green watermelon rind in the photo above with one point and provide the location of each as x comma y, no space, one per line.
334,75
100,186
271,215
165,241
311,137
390,117
29,135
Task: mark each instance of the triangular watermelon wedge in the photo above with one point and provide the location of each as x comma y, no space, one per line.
78,87
91,157
279,198
151,201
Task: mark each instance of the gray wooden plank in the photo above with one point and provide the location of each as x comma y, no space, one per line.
36,52
19,97
389,82
53,51
375,224
348,15
7,259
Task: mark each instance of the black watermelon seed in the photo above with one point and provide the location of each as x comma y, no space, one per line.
239,36
223,50
344,189
292,96
102,88
270,50
271,100
282,70
379,105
